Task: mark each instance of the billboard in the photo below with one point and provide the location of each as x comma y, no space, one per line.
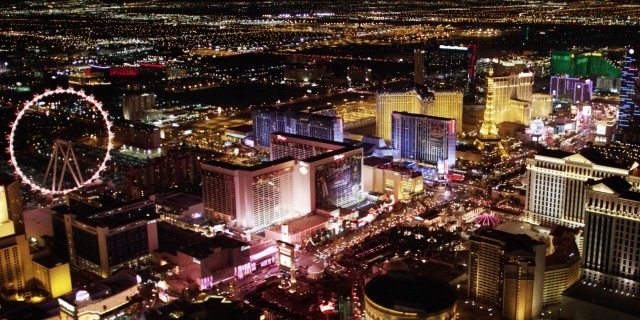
286,254
339,182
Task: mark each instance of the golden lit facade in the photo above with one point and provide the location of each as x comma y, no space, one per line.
507,271
540,105
402,184
53,277
16,271
447,104
507,88
558,279
13,203
409,101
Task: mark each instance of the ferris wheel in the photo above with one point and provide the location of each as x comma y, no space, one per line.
63,173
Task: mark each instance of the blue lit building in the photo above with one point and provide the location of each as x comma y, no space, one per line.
628,131
269,120
570,89
423,138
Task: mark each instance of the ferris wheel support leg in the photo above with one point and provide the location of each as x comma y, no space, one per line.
46,173
65,163
78,172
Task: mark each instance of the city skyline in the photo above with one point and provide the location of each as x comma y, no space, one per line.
319,160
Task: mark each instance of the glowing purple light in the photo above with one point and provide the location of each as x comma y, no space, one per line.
487,220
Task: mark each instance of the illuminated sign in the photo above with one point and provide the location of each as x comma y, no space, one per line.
281,138
285,251
286,254
453,48
327,307
66,306
285,261
601,130
338,156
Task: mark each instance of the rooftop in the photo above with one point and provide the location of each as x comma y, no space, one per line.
375,161
403,291
311,139
520,243
416,115
179,200
303,223
603,297
331,153
176,239
49,261
231,166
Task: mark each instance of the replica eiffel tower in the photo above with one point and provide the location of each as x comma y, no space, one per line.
488,141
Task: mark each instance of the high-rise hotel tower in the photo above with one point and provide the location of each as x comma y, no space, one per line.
409,100
629,113
612,226
555,181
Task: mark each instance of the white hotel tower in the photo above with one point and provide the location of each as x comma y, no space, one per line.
555,181
612,225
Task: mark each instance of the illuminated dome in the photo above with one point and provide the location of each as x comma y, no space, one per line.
82,295
315,272
402,295
487,220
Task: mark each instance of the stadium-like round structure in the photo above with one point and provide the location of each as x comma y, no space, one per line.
401,295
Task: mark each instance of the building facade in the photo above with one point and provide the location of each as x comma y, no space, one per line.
16,270
448,104
269,120
440,60
134,107
11,189
423,138
507,271
255,197
388,101
299,147
555,182
565,89
102,242
329,180
612,223
52,275
137,135
391,178
582,64
509,88
541,104
628,131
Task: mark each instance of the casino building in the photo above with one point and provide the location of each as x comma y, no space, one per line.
423,138
269,120
300,147
333,179
256,196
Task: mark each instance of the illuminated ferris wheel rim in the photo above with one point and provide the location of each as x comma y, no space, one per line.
88,98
